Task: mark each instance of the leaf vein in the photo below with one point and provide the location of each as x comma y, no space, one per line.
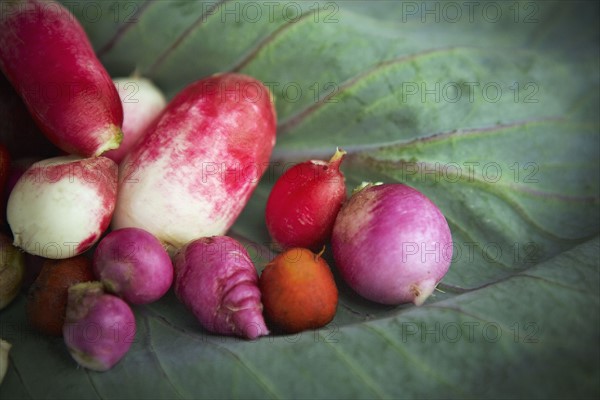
412,360
16,369
268,39
157,359
184,35
124,28
294,120
359,372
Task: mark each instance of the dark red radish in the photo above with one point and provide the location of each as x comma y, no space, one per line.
18,131
47,57
60,206
142,103
216,280
99,327
197,165
304,202
391,244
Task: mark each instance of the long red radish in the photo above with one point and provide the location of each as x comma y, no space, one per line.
198,163
47,57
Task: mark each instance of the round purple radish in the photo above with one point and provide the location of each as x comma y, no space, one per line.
391,244
99,328
216,280
133,264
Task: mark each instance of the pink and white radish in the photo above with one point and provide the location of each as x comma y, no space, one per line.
216,280
198,163
47,57
60,206
142,103
99,328
391,244
132,263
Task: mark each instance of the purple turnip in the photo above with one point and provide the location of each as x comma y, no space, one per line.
60,206
99,328
216,280
132,263
391,244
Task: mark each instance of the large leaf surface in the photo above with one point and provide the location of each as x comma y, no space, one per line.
494,117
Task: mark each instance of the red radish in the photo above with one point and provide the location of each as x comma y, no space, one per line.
132,263
304,202
198,163
61,206
142,103
99,328
216,280
46,55
391,244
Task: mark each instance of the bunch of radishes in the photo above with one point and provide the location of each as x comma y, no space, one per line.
170,180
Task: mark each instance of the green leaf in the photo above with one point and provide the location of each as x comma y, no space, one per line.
492,113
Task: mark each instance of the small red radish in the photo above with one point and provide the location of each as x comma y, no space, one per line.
304,202
391,244
46,55
132,263
216,280
198,163
60,206
99,328
142,103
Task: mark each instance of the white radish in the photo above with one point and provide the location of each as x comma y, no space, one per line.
142,102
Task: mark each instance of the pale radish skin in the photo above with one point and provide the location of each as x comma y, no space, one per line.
216,280
47,57
132,263
142,103
198,163
391,244
99,327
60,206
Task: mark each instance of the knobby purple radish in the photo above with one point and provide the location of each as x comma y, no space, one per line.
99,327
142,103
216,280
47,57
391,244
60,206
198,163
